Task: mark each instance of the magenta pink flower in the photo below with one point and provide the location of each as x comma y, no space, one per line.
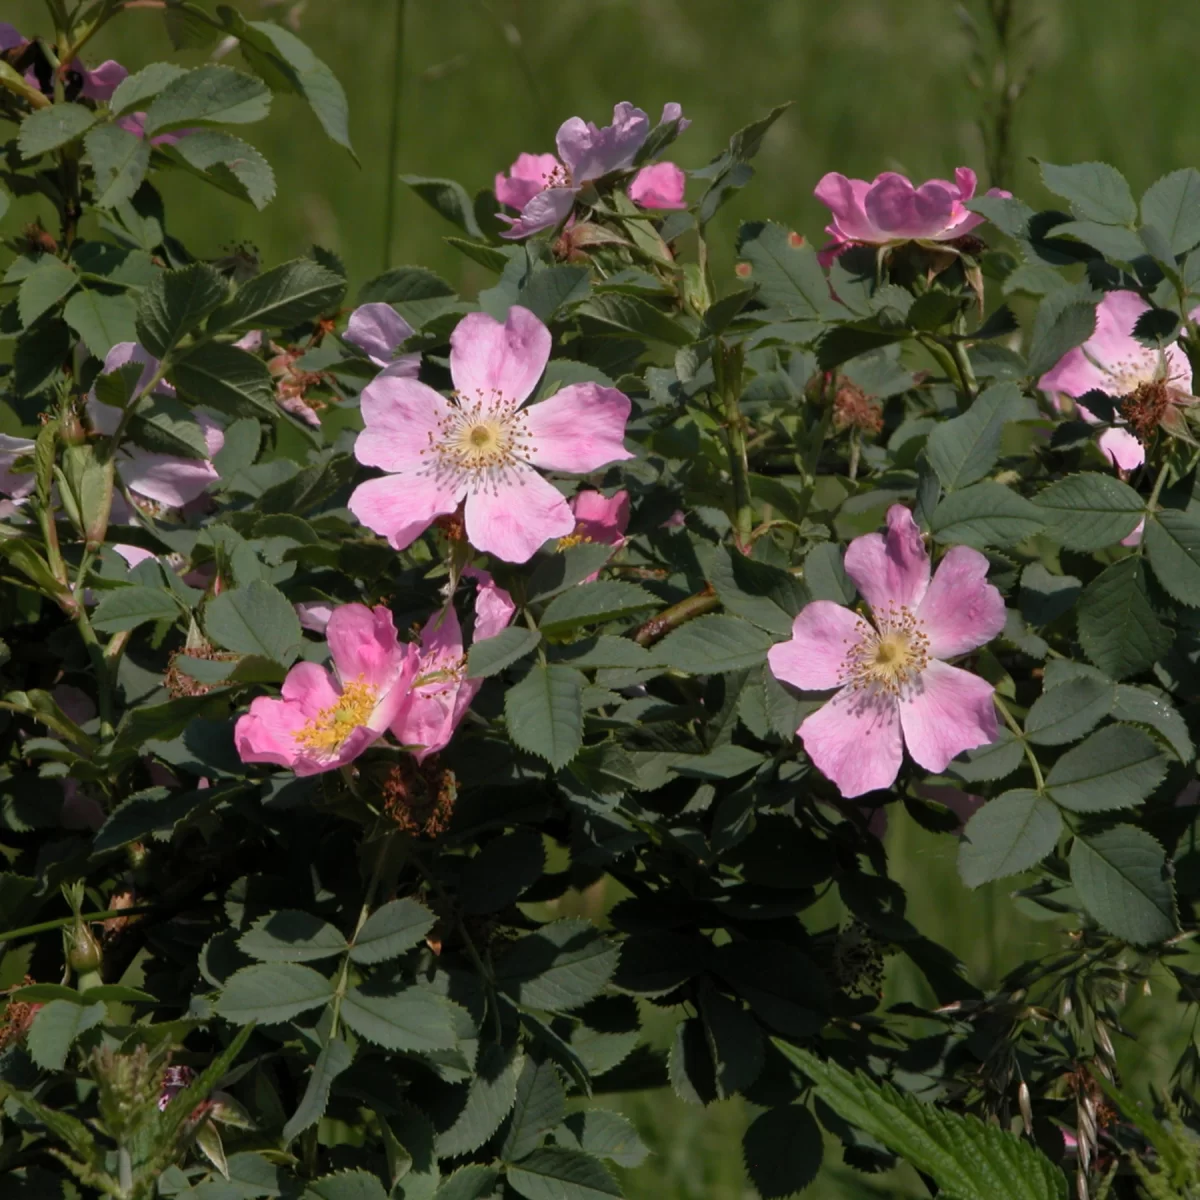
442,693
600,518
326,720
1113,361
894,686
660,185
480,447
529,175
379,331
889,209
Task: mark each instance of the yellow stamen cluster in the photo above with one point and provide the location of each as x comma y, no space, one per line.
333,725
572,539
890,657
480,438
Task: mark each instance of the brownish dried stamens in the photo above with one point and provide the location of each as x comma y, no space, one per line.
854,409
1146,406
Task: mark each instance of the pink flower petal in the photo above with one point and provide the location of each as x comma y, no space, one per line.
133,554
673,111
845,198
547,210
489,360
494,607
314,615
10,37
1135,538
402,416
363,644
601,519
1111,358
528,176
590,152
378,330
518,516
891,569
100,82
815,656
946,712
579,429
401,507
961,610
1122,449
659,186
899,210
966,181
855,741
163,477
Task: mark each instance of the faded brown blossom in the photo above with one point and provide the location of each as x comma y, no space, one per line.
419,797
179,683
17,1018
1157,404
854,409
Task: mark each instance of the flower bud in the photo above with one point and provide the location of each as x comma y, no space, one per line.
84,954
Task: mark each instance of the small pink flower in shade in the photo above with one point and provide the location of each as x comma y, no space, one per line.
379,331
894,686
660,185
600,518
442,693
480,448
889,209
135,123
14,483
164,478
325,720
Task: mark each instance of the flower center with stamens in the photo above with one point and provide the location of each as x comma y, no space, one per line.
333,725
1145,407
890,657
479,438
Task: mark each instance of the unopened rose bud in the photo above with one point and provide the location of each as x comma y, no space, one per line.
84,954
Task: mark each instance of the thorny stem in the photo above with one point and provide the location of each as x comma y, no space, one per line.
1011,722
678,614
11,935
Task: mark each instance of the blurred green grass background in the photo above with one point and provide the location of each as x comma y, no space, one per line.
876,85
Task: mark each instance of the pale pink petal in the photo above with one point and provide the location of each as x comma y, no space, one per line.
814,658
267,733
441,638
16,485
133,554
428,721
890,569
163,477
489,360
579,429
945,712
401,507
494,607
378,330
252,341
214,435
1135,538
402,418
899,210
1111,360
310,688
518,516
105,417
855,741
601,519
546,210
314,615
1121,449
673,111
961,610
528,176
590,152
1178,366
659,186
100,82
363,644
966,182
845,199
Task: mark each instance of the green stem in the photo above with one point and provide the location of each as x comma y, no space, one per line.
966,373
728,363
11,935
1011,722
393,150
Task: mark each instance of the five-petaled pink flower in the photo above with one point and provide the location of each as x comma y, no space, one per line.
543,188
480,448
326,720
889,209
441,692
894,687
379,331
1113,361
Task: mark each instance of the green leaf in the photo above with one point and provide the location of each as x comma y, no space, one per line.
291,936
1117,767
413,1020
163,424
964,1157
540,1105
120,160
593,603
965,449
1065,319
488,1100
209,95
985,515
55,1028
787,274
493,654
605,1133
555,1173
558,967
713,644
1069,710
128,607
176,303
1118,628
545,292
1121,877
134,90
825,575
448,198
44,287
227,162
1172,541
335,1057
1149,706
272,994
555,573
346,1185
48,128
1095,192
101,320
544,713
1009,834
472,1182
782,1150
255,620
391,930
633,315
764,595
1090,511
993,761
735,1042
1172,206
226,378
286,295
501,871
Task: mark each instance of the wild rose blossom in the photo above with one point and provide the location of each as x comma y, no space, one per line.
542,188
379,331
99,83
441,692
599,518
1154,384
480,448
325,720
894,686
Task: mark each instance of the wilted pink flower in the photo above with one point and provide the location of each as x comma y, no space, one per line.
894,687
165,478
97,84
1113,361
544,188
15,484
890,209
660,185
481,446
326,720
379,331
442,693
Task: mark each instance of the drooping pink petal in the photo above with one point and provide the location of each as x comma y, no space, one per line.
601,519
16,485
944,713
100,82
489,359
314,615
11,38
401,507
1121,449
494,607
164,477
855,740
961,610
363,644
514,519
546,210
378,330
590,152
529,175
661,185
966,181
133,554
845,198
673,111
401,418
579,429
893,568
894,206
814,658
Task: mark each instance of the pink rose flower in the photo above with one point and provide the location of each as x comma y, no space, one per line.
894,686
481,447
325,720
442,693
379,331
1113,361
660,185
529,175
889,209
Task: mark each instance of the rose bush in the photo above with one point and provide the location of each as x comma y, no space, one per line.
349,643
